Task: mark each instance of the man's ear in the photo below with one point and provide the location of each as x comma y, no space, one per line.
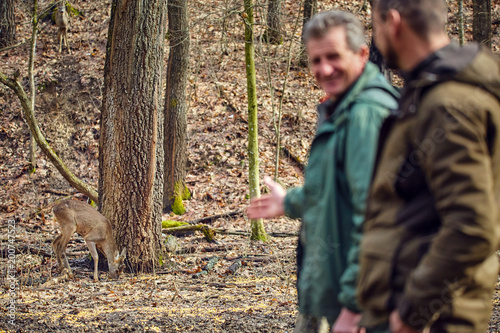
393,20
364,52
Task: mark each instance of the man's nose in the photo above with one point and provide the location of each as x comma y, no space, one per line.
325,69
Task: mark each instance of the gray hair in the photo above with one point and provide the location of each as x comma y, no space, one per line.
319,25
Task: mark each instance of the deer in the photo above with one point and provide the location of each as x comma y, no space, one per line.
96,230
62,22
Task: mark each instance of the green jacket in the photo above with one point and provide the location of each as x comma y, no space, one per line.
432,222
332,201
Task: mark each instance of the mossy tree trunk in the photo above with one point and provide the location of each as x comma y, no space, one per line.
176,108
131,144
7,23
310,8
258,232
31,79
273,33
481,25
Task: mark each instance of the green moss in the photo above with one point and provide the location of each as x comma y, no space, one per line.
178,206
172,224
72,11
173,102
186,195
208,233
160,260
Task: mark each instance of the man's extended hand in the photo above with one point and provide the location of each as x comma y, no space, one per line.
268,205
347,322
398,326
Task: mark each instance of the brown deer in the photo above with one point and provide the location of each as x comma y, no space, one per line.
62,22
73,215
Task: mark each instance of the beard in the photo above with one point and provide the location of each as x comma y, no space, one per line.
391,58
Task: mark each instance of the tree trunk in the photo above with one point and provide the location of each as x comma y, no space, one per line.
310,8
257,226
273,34
31,79
461,33
481,26
176,108
7,23
131,145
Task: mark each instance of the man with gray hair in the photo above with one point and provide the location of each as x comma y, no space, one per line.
331,203
428,255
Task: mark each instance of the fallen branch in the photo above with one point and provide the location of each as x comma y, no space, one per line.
247,233
210,219
293,158
230,285
14,46
207,232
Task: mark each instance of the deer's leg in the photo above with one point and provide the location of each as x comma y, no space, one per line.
60,40
95,256
66,41
64,244
56,246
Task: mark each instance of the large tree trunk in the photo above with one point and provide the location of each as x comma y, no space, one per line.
481,26
7,23
310,8
274,22
257,226
131,146
176,108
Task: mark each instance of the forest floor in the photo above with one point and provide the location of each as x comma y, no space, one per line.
260,295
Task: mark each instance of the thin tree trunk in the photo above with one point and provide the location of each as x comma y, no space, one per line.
131,145
481,25
31,78
7,23
310,8
274,22
461,33
176,108
257,226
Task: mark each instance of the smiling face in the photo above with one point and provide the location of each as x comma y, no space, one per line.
334,65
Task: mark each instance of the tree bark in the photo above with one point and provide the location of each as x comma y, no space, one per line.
131,145
176,107
481,25
274,22
258,232
7,23
310,8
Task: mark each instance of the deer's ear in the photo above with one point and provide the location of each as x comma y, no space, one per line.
123,255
